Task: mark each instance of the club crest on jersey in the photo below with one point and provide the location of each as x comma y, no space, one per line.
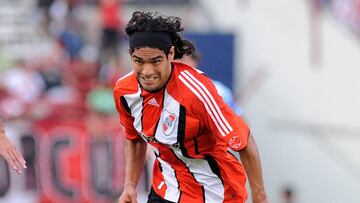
235,142
168,122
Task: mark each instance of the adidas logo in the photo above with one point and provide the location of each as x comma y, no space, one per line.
153,102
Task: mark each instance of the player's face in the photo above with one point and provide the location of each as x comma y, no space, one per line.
152,67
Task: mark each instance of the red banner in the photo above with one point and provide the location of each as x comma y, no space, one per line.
74,165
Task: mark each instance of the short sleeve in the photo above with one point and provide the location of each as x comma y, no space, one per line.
126,119
214,112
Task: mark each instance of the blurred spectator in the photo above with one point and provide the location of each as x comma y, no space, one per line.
100,99
64,87
71,37
44,7
109,11
58,12
22,86
51,75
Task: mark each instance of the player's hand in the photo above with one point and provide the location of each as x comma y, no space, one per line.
11,155
129,194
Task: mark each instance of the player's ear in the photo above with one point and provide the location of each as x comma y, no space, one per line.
171,54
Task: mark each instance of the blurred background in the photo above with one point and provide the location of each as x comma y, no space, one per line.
293,67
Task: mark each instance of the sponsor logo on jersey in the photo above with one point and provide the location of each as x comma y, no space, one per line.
168,122
153,102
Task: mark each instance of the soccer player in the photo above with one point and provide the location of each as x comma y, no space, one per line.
9,152
177,109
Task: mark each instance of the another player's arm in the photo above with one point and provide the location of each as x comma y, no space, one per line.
10,153
250,158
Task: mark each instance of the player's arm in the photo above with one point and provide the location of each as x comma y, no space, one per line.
250,158
229,127
10,153
135,152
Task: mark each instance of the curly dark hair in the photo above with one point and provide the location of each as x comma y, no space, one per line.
148,21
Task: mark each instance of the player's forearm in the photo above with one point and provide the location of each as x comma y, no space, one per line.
135,152
251,161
